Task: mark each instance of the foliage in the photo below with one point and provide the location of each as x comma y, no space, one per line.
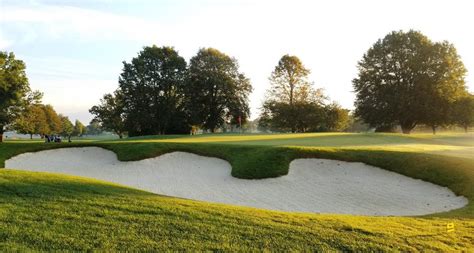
79,129
291,104
151,86
67,128
407,79
336,119
14,88
110,113
299,117
32,121
463,112
94,128
52,119
216,92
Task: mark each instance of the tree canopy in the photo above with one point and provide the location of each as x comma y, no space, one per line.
152,89
67,128
32,121
110,113
14,88
79,129
407,79
463,112
216,91
292,103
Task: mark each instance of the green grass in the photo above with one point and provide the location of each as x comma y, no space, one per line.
42,211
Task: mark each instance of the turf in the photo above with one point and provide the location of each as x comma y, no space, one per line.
41,211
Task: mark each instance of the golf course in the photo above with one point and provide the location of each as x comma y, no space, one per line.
236,126
58,211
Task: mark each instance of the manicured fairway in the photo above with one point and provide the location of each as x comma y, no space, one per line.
45,211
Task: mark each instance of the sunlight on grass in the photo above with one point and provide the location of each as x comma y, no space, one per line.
238,137
44,211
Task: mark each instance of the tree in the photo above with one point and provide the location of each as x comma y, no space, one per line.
78,128
463,112
110,113
66,126
291,104
356,124
337,119
299,117
407,79
32,121
152,89
53,120
94,128
14,88
216,92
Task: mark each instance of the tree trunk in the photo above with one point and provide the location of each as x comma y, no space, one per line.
434,129
465,129
31,136
120,136
1,134
407,127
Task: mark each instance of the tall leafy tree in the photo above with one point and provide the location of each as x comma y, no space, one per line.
463,112
291,103
336,119
216,91
53,120
444,86
14,88
32,121
79,129
110,113
406,79
67,128
94,127
152,88
289,81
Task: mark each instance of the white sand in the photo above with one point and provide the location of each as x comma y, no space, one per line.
312,185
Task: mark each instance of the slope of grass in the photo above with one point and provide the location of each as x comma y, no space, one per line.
41,211
46,211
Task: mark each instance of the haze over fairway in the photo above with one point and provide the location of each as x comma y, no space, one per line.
77,47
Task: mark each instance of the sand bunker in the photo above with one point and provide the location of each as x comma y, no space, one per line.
312,185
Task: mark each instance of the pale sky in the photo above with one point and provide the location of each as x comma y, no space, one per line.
74,49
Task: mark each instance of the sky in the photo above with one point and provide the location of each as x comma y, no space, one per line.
74,49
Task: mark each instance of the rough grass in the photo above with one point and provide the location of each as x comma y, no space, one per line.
44,211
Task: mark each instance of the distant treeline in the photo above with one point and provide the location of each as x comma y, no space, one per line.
404,80
159,93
